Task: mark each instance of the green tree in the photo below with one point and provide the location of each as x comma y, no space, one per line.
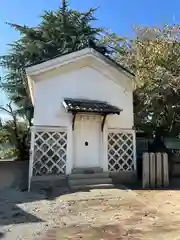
59,32
14,134
154,56
158,70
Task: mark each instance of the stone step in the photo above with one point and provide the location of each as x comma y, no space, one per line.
89,181
91,186
87,175
87,170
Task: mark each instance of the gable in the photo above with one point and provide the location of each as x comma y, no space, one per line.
108,71
76,60
74,57
39,73
82,83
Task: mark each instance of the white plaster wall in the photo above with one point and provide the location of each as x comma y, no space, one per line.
86,82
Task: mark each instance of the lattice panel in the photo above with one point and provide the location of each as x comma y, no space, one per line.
50,153
120,152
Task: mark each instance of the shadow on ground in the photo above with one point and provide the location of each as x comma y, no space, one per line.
2,235
12,214
174,184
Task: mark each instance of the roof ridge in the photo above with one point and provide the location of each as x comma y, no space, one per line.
91,47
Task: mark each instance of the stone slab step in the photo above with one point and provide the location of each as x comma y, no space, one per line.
92,186
89,181
87,175
87,170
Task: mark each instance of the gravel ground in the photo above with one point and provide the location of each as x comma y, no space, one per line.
26,215
105,214
29,216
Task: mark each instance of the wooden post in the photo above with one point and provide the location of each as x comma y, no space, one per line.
165,170
31,158
152,170
70,149
155,170
145,170
134,150
105,148
159,169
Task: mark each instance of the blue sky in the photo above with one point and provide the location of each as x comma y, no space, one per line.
119,16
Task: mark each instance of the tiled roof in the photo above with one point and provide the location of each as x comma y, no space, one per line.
85,105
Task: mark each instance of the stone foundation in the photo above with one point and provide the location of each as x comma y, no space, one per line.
124,177
42,184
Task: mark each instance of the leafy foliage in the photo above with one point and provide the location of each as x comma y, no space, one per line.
9,153
154,56
59,32
14,134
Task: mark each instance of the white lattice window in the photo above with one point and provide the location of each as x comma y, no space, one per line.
120,151
50,153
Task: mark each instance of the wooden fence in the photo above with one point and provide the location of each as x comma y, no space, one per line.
155,170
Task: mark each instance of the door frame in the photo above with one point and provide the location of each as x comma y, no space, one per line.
92,117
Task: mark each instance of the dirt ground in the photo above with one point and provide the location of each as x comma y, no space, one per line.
120,214
105,214
167,204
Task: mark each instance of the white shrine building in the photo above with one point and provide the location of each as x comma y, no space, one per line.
83,116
